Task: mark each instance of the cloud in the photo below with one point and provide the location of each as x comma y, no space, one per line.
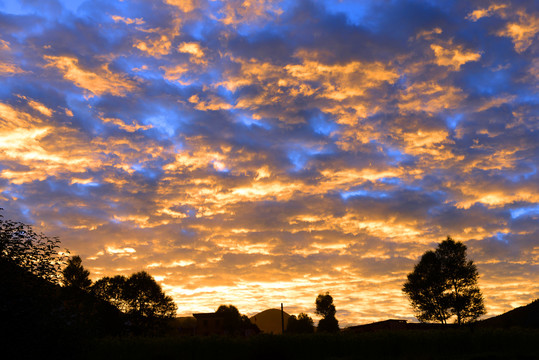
454,57
522,31
485,12
102,81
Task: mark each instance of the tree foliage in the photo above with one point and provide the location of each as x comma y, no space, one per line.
35,252
145,298
75,275
302,324
235,323
325,308
111,289
138,295
444,284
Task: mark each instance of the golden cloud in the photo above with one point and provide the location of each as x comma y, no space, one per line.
431,97
103,81
243,11
158,41
122,125
128,21
184,5
523,31
454,56
485,12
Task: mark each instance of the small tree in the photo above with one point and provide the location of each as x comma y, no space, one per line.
37,253
303,324
325,308
75,275
444,284
235,323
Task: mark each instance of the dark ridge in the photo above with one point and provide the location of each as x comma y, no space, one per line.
526,316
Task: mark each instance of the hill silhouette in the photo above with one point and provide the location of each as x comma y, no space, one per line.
269,321
526,316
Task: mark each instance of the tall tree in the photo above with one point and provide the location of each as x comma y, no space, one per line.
325,308
35,252
75,275
444,284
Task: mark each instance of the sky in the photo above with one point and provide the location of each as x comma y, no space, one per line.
259,152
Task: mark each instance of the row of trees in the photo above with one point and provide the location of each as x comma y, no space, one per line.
138,295
303,323
442,285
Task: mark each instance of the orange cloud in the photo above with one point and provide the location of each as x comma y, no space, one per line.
235,12
485,12
158,41
101,82
184,5
523,31
453,57
128,21
431,97
122,125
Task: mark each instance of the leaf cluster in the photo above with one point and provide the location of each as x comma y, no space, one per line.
35,252
302,324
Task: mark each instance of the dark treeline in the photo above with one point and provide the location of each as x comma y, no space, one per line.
50,305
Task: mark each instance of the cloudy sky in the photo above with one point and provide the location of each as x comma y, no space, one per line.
259,152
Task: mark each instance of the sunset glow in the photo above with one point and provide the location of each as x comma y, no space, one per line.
262,152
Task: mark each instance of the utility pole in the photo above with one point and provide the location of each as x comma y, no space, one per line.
282,318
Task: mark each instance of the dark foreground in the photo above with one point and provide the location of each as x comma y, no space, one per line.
433,344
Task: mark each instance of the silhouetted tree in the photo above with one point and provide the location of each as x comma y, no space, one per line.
444,284
303,324
325,308
75,275
139,295
111,289
233,322
37,253
145,298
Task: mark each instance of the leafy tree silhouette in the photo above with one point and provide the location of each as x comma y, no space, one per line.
302,324
233,322
35,252
444,284
325,308
139,295
111,289
75,275
145,298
